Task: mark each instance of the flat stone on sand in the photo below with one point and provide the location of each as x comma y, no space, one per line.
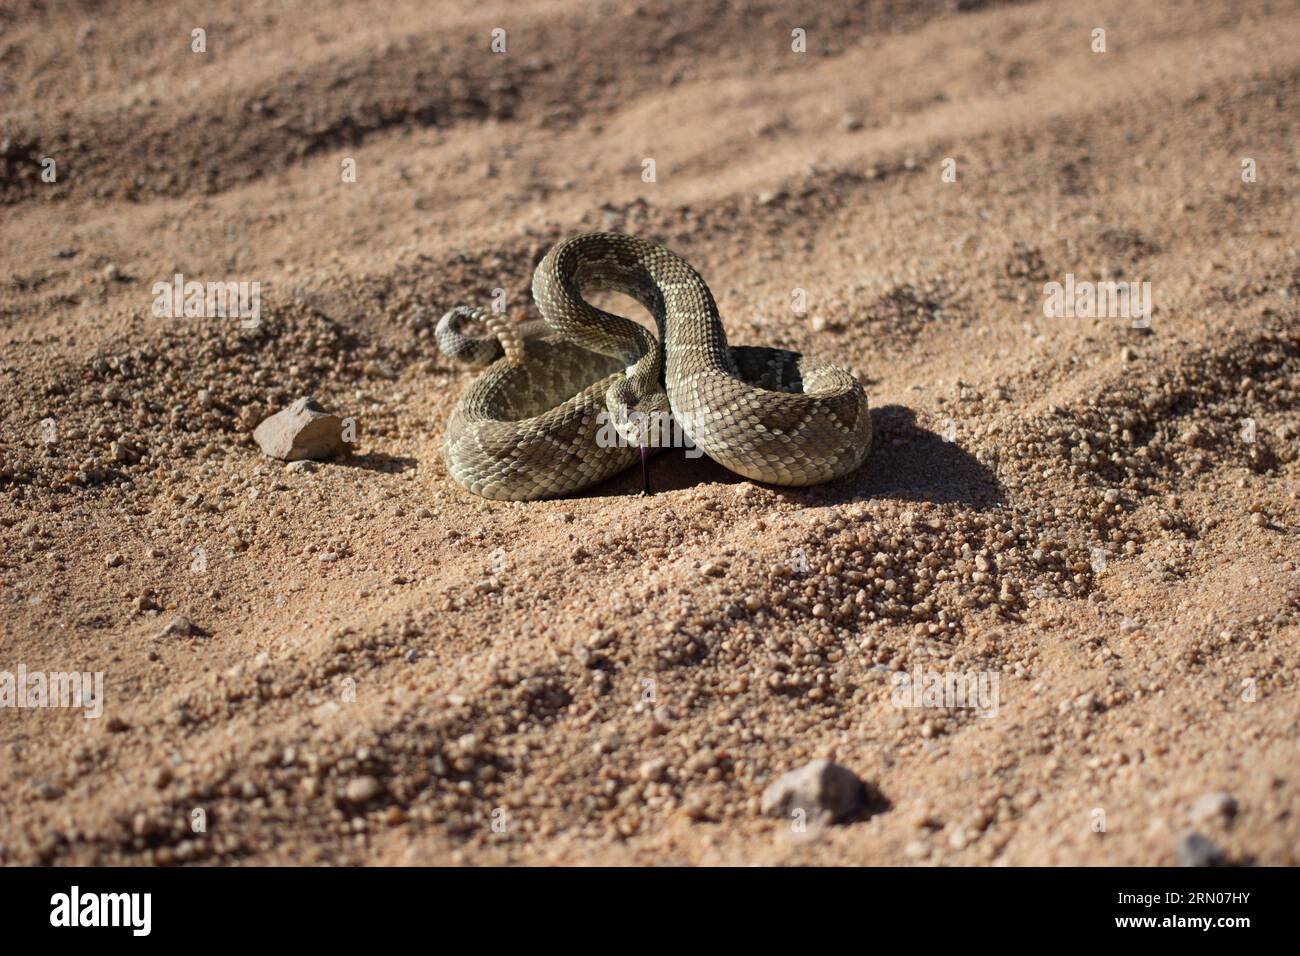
303,430
825,791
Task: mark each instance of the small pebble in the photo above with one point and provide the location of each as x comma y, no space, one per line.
1214,807
178,627
303,430
823,790
362,789
1196,850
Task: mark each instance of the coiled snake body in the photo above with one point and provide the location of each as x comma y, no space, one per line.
537,423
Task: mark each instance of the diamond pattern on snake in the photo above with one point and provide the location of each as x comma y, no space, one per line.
537,422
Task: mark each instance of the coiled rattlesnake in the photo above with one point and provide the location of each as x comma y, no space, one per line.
538,422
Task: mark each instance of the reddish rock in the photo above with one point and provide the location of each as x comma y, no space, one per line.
303,430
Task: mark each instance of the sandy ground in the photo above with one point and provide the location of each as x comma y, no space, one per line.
384,669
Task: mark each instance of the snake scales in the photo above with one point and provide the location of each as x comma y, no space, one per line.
537,422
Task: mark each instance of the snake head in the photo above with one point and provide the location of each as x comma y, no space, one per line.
642,420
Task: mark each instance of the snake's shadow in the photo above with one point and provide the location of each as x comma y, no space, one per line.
911,463
906,463
378,461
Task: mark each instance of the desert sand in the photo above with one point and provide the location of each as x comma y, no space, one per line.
357,661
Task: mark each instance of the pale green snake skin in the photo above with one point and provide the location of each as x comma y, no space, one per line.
530,426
